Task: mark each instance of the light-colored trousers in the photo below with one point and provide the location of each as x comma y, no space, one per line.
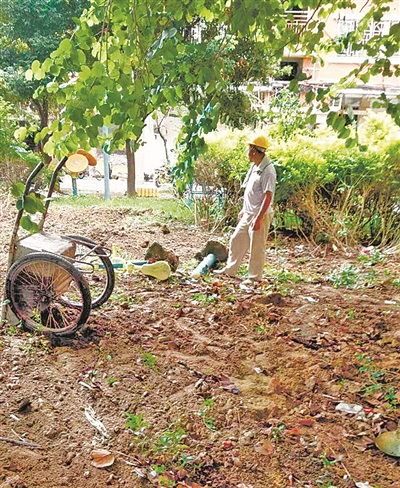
244,239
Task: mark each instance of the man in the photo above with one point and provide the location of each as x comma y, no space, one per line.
256,215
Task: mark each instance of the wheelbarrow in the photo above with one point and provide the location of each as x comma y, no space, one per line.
53,281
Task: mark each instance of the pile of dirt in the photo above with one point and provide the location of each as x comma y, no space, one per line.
205,383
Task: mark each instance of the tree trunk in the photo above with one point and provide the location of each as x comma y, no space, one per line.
43,110
130,160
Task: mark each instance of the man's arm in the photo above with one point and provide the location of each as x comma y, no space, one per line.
263,209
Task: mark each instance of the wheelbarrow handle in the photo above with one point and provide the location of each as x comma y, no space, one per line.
14,234
51,189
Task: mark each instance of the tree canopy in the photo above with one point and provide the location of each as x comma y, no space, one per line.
129,58
31,30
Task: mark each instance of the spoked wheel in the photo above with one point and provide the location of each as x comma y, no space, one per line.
48,294
94,262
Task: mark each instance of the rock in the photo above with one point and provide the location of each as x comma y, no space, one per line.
13,482
156,252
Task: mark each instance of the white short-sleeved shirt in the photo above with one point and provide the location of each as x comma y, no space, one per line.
258,181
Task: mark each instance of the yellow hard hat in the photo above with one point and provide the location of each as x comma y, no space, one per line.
260,141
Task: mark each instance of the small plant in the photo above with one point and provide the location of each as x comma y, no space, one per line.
150,360
391,398
208,421
376,382
347,276
204,299
260,329
351,314
171,440
327,459
277,433
111,381
370,257
12,330
396,282
136,423
327,484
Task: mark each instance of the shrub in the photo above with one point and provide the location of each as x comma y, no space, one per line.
14,160
327,192
220,171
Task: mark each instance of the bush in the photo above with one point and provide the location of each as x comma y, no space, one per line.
342,195
325,191
220,171
15,161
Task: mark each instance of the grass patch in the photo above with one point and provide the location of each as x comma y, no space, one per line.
162,209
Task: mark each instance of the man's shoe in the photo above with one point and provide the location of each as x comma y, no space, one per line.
223,271
219,271
250,282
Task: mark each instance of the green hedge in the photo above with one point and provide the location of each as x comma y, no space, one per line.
325,192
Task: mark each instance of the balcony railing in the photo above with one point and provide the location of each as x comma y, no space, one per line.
374,29
296,17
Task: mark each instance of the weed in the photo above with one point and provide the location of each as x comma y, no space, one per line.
327,484
12,330
370,257
208,421
277,433
204,299
347,276
111,381
391,398
326,459
376,381
136,423
158,469
260,329
208,402
150,360
351,314
127,301
35,344
171,440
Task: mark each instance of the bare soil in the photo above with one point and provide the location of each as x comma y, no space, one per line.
221,386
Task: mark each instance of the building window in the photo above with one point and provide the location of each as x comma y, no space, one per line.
346,26
296,17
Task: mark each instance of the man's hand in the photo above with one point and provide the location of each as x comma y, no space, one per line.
240,215
256,224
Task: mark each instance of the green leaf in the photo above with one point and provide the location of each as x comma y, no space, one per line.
350,143
17,189
65,46
345,133
331,118
84,73
21,133
19,204
98,69
49,148
33,204
27,224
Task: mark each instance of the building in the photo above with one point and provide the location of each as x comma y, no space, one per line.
337,65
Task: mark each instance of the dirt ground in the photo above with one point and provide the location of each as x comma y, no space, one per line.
199,384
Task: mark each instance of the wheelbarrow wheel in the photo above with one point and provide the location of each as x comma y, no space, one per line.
48,294
93,260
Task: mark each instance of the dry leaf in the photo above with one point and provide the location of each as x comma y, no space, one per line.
189,484
102,458
265,447
307,422
276,383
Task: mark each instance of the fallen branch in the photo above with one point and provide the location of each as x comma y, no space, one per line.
21,443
